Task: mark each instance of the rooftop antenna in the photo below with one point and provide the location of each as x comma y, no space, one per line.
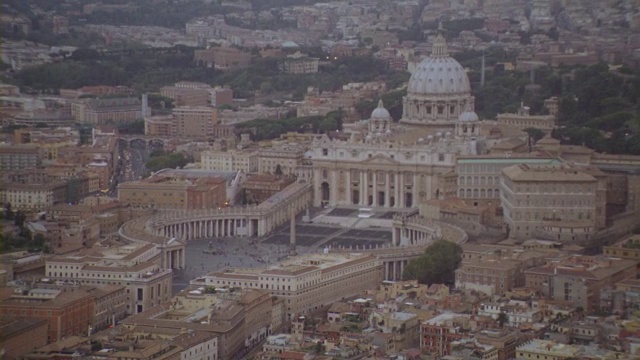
533,74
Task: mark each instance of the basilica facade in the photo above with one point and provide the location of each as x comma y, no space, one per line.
388,165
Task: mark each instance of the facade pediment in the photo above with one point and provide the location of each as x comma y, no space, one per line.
380,159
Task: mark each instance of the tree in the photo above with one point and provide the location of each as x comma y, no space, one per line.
436,265
319,348
19,219
8,212
502,319
96,346
535,134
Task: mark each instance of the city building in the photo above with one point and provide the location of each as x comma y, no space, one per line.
187,93
281,159
18,157
68,313
299,63
221,96
579,279
22,335
403,165
143,269
546,349
48,140
238,319
159,125
307,282
437,333
627,248
32,197
478,177
107,111
166,193
523,120
246,160
223,58
556,202
194,121
258,188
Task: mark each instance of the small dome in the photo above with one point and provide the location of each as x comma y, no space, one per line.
380,112
468,116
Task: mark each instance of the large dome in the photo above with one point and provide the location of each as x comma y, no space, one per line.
438,91
439,76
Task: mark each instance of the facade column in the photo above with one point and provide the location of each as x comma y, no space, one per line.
375,188
396,190
386,271
416,190
333,198
348,189
361,188
387,189
366,188
401,190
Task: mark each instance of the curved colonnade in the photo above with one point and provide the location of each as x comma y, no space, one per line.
411,236
166,227
226,222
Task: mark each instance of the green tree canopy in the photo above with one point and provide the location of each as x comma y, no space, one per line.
436,265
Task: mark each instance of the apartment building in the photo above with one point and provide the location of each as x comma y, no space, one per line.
159,125
307,283
550,201
194,121
246,161
478,177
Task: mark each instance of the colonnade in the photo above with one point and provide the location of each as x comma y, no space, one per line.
393,270
234,222
206,228
174,258
391,186
374,188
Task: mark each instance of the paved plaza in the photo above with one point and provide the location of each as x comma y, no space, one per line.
207,255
